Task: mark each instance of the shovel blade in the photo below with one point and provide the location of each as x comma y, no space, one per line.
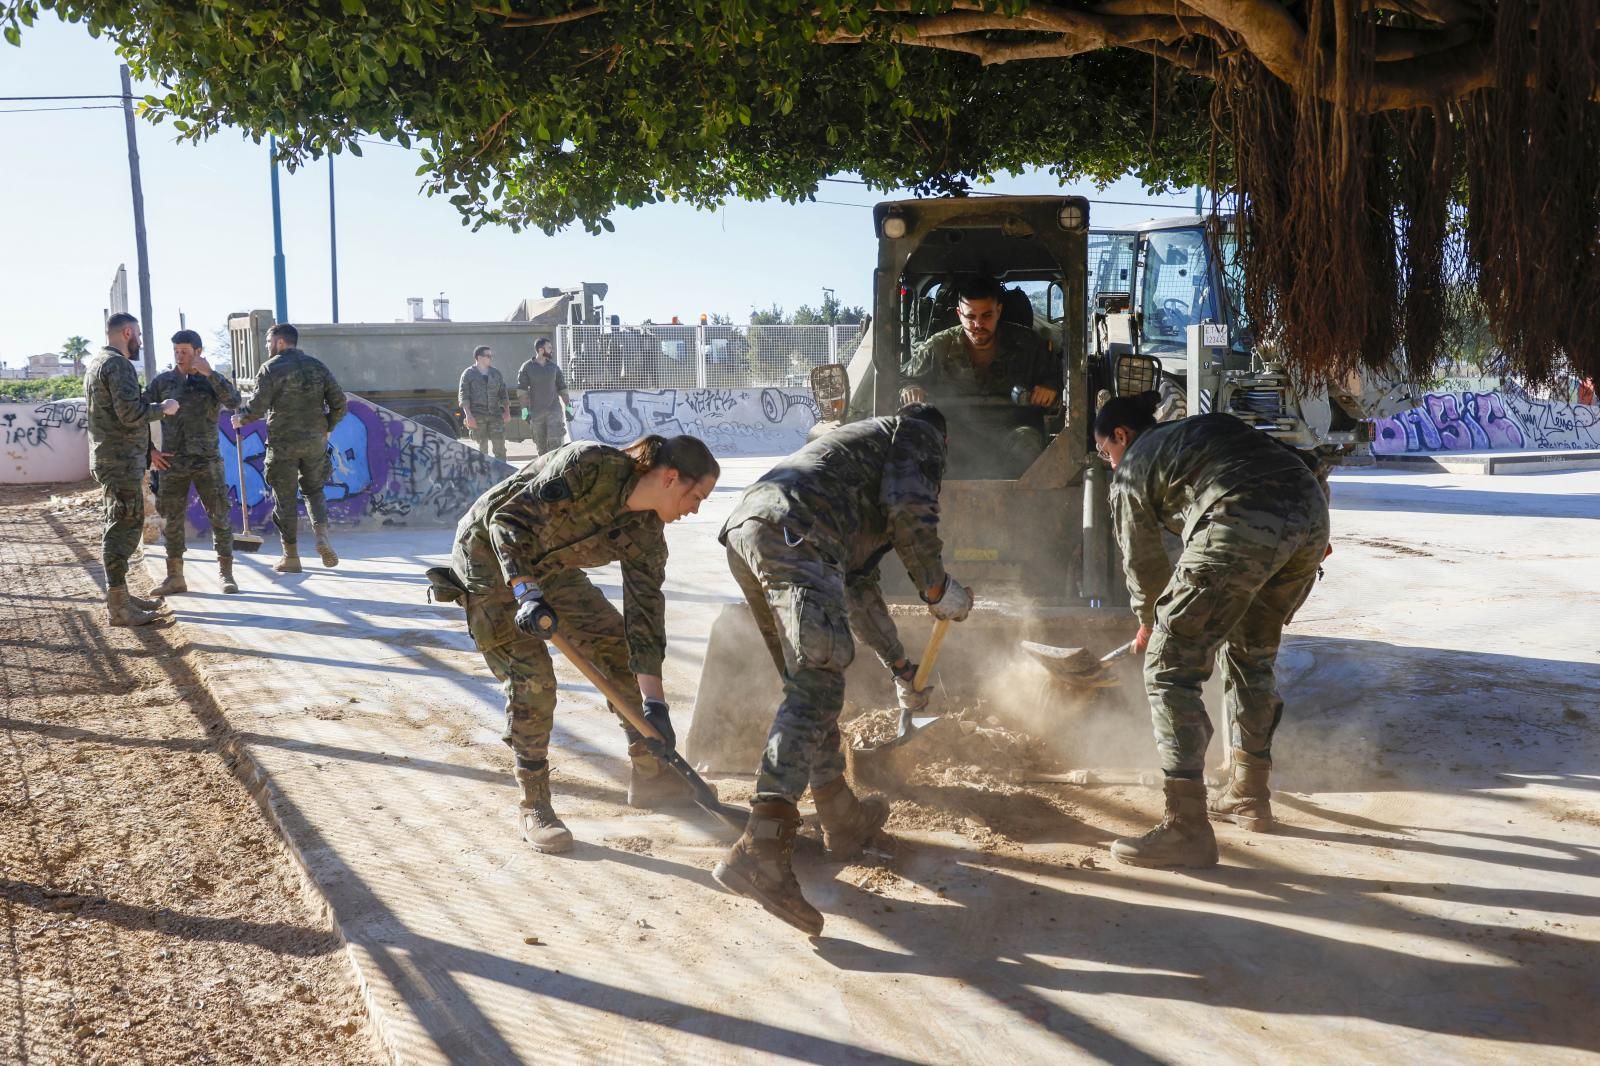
246,542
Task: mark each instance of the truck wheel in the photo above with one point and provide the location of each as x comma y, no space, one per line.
437,423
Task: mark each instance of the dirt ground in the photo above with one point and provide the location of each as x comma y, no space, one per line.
148,912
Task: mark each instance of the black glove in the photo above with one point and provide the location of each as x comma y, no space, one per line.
535,617
657,714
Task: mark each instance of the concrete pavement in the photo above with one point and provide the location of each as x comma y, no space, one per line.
1432,895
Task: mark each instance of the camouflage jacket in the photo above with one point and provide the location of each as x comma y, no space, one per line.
119,414
942,364
299,398
1176,474
564,510
192,432
483,395
857,492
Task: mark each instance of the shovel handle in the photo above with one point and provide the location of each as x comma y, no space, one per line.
930,654
244,507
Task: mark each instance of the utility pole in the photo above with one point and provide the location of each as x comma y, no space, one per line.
333,241
280,278
146,315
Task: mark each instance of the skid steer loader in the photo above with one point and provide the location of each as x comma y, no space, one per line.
1030,534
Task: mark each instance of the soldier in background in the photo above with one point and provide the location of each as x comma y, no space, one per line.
485,402
191,457
520,553
798,540
301,402
545,392
1254,520
120,450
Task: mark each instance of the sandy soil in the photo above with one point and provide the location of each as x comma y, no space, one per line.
148,913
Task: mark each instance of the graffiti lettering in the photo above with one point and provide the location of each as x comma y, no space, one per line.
770,421
1506,420
44,442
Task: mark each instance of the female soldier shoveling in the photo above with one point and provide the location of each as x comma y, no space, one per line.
520,553
1254,522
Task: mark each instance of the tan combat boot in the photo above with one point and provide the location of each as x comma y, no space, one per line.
142,603
847,823
1183,838
324,549
174,583
289,562
122,610
651,784
760,866
540,826
1244,801
225,571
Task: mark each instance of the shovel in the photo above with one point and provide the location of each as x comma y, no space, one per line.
246,541
704,796
930,656
1078,667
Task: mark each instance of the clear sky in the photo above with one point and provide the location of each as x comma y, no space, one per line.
66,222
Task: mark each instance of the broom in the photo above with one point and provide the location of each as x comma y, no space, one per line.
246,541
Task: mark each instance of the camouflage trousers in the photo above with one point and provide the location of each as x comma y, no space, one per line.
522,663
547,429
123,495
800,605
309,467
172,501
1244,571
487,431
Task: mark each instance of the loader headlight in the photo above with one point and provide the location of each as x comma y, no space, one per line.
894,227
1072,215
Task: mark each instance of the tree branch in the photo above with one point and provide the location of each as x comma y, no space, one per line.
515,21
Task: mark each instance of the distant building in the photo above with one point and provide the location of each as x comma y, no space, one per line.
51,365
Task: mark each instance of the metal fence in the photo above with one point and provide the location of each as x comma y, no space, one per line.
699,357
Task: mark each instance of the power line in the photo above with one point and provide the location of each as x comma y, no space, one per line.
81,107
84,96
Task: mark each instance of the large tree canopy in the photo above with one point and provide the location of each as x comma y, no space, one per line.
1384,152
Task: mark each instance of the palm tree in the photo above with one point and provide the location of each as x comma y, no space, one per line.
76,349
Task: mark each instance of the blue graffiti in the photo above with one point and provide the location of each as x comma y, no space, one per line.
352,466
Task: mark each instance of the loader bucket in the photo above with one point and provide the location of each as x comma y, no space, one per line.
740,688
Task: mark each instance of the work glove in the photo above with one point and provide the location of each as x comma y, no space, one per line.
657,714
954,603
908,697
535,617
571,411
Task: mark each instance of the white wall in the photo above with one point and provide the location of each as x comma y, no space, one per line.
755,421
44,441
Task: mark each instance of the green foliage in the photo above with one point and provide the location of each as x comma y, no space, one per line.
549,125
20,391
75,347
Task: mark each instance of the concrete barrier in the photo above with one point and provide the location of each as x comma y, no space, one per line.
387,471
44,441
770,421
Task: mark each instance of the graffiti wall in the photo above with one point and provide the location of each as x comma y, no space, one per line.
770,421
387,471
1507,419
44,441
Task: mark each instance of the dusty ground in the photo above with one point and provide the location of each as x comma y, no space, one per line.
147,912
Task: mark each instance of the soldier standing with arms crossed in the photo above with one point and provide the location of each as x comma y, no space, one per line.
189,449
485,402
302,402
520,553
1254,521
796,541
119,433
545,389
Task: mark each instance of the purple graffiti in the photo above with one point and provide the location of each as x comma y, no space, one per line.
1506,420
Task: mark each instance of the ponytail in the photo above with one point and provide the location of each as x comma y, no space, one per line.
1134,413
689,456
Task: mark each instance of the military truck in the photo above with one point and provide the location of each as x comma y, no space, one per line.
413,368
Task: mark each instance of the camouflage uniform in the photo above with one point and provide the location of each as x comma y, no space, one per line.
485,397
189,440
942,365
804,543
543,387
119,432
559,514
1254,523
302,402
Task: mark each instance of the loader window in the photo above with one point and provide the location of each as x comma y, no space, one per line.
1177,289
